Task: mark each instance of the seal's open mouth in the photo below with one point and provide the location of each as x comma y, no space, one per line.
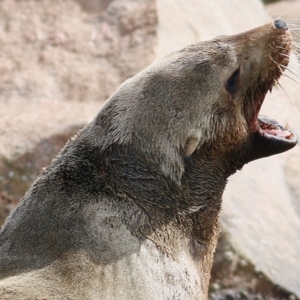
270,128
270,138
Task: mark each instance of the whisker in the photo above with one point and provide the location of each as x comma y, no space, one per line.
272,16
295,73
296,45
281,70
294,24
276,63
292,20
275,16
279,47
284,14
284,90
291,78
293,102
295,32
297,56
284,75
285,55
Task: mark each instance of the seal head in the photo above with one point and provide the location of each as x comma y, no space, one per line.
207,95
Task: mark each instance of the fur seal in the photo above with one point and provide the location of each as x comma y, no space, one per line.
129,208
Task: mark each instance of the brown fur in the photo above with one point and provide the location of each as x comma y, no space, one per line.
129,208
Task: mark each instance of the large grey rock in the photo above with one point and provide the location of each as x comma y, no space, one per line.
58,63
186,22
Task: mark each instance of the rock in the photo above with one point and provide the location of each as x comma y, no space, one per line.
55,59
58,64
61,59
94,6
186,22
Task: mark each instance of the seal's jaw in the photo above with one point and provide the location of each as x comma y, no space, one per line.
271,129
266,136
270,138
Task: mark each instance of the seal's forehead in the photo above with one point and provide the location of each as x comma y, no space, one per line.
200,59
214,51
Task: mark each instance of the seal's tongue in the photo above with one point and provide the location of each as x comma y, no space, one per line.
282,134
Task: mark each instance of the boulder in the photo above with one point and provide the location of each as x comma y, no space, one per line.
61,59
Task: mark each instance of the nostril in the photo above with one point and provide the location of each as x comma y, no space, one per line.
280,24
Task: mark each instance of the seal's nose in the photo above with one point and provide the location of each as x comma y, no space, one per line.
280,24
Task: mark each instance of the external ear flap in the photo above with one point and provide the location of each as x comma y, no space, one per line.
191,144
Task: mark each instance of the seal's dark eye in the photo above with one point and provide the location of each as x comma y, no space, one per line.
232,83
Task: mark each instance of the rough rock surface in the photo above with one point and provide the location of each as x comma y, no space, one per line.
56,59
61,59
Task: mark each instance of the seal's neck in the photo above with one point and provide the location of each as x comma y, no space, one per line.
196,199
181,219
